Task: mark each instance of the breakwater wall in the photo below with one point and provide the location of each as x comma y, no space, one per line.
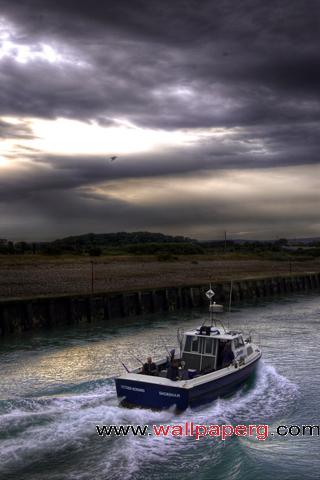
22,315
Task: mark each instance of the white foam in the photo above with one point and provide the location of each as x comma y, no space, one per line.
68,422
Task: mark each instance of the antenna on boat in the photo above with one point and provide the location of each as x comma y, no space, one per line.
230,302
230,297
210,294
214,307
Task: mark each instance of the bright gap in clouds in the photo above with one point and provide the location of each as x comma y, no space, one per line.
262,188
64,136
72,137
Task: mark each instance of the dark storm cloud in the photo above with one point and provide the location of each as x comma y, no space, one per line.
245,62
249,67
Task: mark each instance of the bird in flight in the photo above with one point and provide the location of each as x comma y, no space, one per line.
113,158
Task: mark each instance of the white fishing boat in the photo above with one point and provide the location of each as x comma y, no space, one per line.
212,362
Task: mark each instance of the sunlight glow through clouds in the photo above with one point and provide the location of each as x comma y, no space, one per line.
71,137
272,188
3,161
64,136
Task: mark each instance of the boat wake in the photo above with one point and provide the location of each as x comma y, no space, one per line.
59,431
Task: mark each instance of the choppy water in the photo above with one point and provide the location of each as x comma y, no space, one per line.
55,387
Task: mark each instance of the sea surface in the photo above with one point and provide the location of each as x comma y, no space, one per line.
56,386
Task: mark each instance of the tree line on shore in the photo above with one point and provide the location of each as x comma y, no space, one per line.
164,246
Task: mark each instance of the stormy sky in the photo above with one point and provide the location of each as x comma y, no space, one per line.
211,108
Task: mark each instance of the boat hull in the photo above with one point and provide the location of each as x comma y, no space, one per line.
161,396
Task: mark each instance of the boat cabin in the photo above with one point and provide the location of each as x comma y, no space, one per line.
204,349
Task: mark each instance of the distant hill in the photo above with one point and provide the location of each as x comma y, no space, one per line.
147,243
121,238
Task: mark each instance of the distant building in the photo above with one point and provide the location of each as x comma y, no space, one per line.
3,241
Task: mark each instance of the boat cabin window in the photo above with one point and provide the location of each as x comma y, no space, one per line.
187,346
195,344
238,342
208,346
192,344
